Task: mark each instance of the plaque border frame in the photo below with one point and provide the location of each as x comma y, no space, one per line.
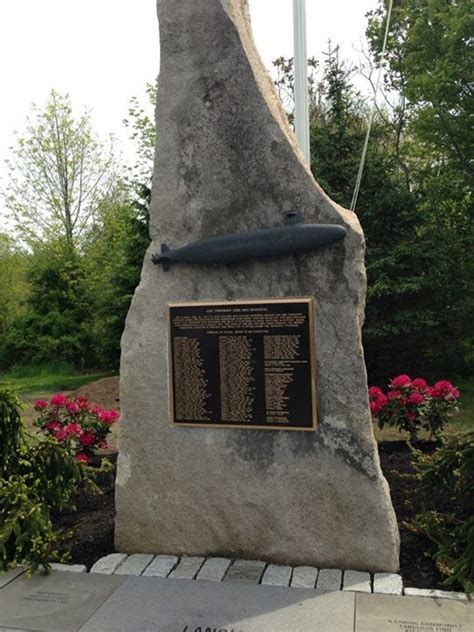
309,300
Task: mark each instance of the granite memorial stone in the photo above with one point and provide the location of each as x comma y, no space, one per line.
227,163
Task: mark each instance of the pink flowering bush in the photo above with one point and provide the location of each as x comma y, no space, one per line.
413,405
77,424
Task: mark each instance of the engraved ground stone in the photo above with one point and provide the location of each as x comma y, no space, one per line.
10,575
166,605
355,580
187,568
390,613
109,563
277,575
214,569
437,594
227,162
388,583
59,601
161,566
329,579
134,564
247,571
304,577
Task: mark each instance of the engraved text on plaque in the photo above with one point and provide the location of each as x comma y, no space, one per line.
243,364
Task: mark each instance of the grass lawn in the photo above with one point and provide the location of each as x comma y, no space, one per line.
37,382
462,421
43,381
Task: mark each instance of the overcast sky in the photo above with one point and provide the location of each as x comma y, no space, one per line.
103,52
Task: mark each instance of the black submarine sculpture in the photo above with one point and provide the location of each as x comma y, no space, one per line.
293,237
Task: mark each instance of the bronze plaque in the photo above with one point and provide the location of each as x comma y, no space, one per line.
243,364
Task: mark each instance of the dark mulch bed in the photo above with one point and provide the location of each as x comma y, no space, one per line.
92,524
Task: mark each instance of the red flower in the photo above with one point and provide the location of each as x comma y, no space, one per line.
419,383
445,390
400,381
375,391
108,416
59,399
393,395
87,439
82,402
82,458
61,434
73,408
416,398
72,429
52,425
410,416
39,404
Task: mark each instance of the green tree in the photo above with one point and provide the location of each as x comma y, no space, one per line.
58,175
429,69
113,261
13,287
57,323
430,62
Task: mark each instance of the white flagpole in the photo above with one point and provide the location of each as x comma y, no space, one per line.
301,76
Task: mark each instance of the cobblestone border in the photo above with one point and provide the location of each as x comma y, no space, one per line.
219,569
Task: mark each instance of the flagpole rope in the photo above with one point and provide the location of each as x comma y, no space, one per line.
360,172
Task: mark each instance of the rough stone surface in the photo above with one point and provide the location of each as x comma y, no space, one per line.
161,566
357,581
247,571
108,564
437,594
304,577
134,564
277,575
69,568
228,162
329,579
388,583
187,568
214,569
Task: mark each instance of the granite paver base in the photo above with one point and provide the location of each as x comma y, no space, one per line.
99,602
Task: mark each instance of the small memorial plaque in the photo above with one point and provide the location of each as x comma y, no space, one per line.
246,364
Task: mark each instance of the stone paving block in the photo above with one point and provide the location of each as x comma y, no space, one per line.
146,604
109,563
70,568
329,579
277,575
357,581
388,584
187,568
393,613
214,569
247,571
304,577
54,602
437,594
10,575
161,566
134,564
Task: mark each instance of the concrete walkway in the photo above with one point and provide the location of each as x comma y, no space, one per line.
129,599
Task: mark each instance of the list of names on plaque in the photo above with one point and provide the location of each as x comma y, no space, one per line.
243,364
